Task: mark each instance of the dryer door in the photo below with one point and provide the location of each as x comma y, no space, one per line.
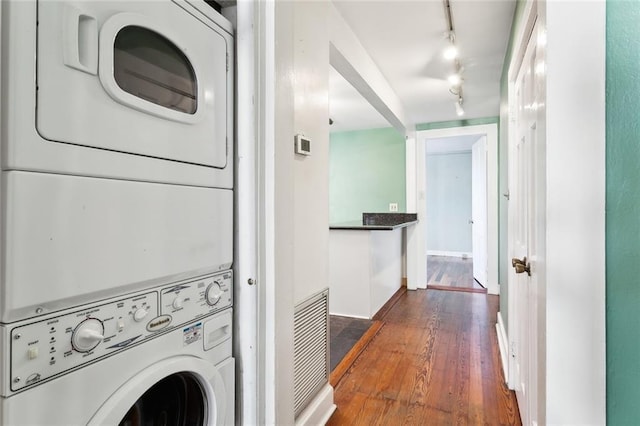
140,79
178,391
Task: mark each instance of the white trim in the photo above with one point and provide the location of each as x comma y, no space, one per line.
529,15
264,38
491,131
461,254
245,296
503,345
319,410
415,269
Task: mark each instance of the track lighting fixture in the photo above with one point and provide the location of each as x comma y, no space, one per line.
451,53
459,109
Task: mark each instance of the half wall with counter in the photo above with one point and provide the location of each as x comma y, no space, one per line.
366,262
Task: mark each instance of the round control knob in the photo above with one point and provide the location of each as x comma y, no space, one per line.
177,303
140,314
214,293
87,335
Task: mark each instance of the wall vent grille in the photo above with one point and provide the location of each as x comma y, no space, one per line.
311,348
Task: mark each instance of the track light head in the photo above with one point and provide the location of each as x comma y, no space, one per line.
450,52
459,109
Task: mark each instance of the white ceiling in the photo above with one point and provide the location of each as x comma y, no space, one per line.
405,39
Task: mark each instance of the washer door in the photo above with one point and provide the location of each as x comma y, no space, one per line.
178,391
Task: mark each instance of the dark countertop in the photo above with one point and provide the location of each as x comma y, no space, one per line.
378,222
357,225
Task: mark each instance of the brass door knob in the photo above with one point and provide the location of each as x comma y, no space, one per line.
521,265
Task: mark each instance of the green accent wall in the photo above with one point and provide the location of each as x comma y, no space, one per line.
623,212
366,172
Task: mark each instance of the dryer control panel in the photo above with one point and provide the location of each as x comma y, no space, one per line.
190,300
61,342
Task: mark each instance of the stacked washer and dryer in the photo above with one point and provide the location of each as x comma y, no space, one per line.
116,235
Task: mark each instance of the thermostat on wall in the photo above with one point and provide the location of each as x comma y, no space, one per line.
303,145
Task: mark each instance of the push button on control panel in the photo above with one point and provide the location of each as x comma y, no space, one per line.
32,353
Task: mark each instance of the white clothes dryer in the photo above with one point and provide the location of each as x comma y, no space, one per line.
117,149
132,90
160,357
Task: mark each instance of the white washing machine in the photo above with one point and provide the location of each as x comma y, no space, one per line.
155,357
116,213
116,149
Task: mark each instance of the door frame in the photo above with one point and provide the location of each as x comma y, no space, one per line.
416,190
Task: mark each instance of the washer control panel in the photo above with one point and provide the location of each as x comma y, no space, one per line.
49,347
61,342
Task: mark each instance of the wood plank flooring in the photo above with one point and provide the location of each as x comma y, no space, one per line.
453,273
435,362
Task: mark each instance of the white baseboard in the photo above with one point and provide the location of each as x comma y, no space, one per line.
319,410
504,346
461,254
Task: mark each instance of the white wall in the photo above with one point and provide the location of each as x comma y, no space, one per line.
292,52
310,173
449,202
300,188
575,213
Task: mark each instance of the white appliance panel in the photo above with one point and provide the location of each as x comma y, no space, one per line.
44,348
103,391
71,240
94,134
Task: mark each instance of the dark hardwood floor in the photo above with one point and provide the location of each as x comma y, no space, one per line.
451,273
435,362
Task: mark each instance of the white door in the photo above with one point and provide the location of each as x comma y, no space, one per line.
522,222
479,209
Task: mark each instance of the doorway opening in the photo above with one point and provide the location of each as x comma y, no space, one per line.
419,169
456,212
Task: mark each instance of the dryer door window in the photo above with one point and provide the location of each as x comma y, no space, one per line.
149,66
175,400
143,79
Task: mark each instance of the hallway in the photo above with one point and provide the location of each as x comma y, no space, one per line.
434,362
452,273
